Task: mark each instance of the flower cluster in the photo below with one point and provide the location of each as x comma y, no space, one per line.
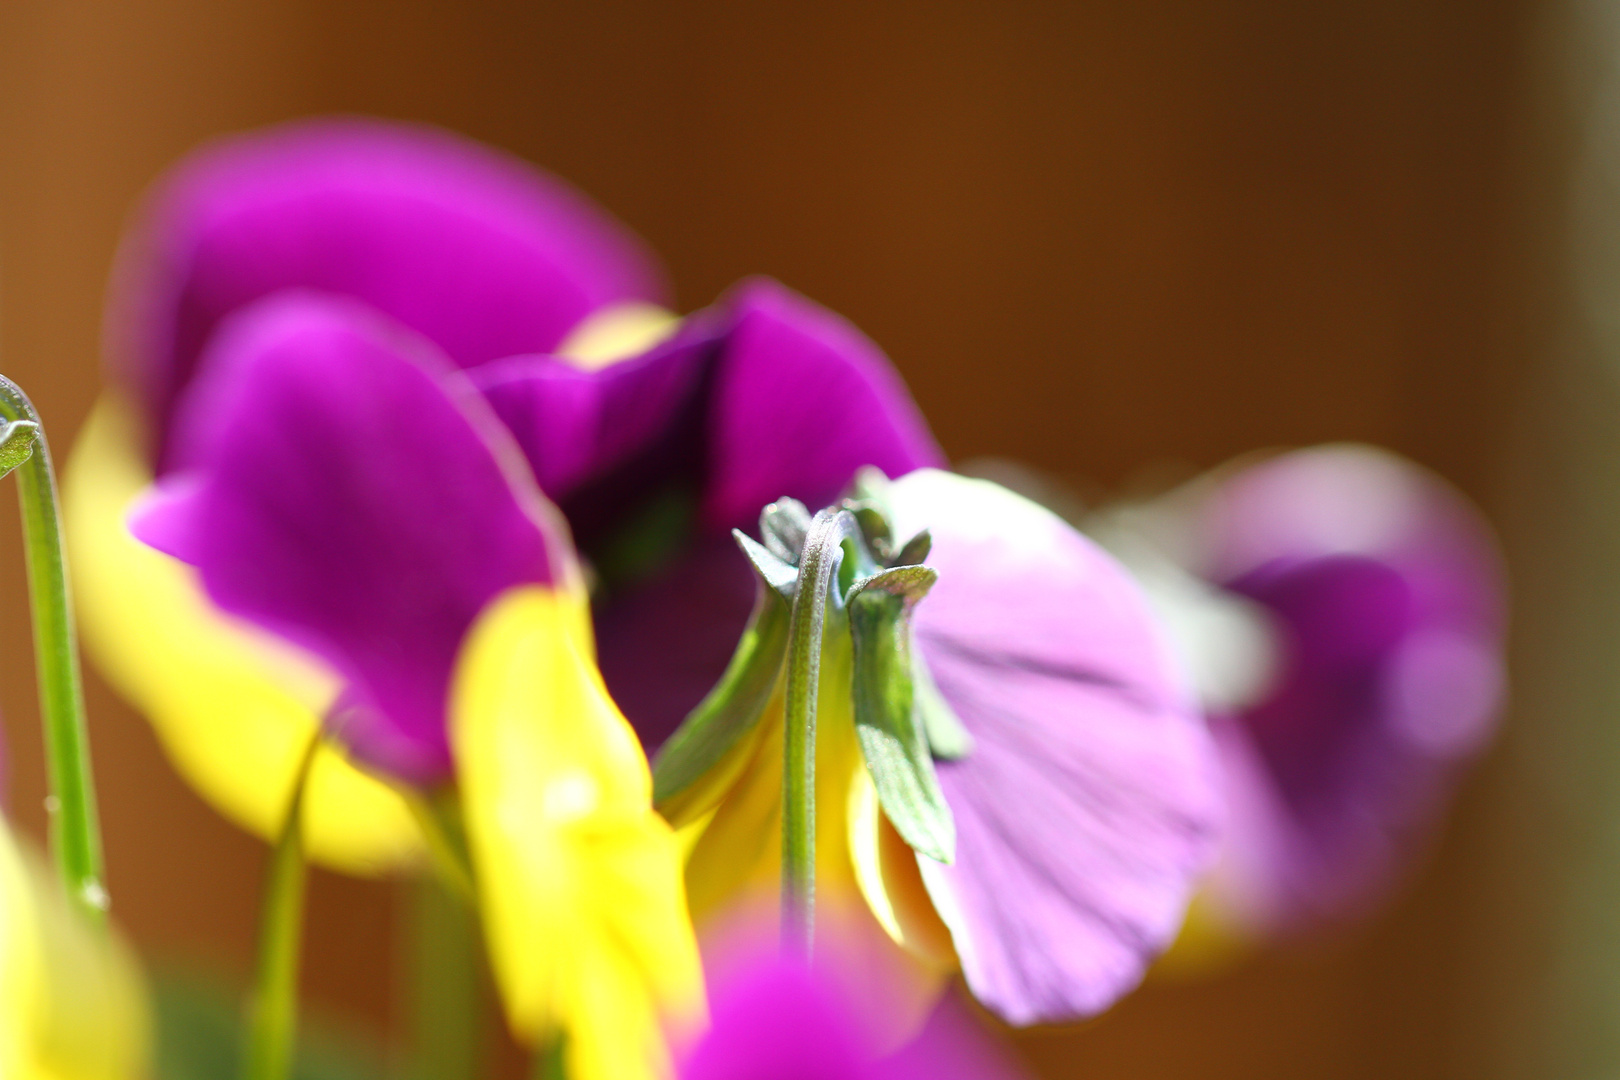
431,541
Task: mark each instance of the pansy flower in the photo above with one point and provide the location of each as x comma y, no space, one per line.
363,398
1077,795
1343,612
375,379
348,492
516,285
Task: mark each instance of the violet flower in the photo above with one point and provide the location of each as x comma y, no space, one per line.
343,241
383,377
1083,801
1344,611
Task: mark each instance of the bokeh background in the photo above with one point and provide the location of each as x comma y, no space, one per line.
1112,239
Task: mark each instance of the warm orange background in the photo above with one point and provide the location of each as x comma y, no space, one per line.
1093,236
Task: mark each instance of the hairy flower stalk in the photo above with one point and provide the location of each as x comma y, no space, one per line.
818,568
74,829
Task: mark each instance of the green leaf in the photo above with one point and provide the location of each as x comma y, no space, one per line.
948,738
892,741
16,443
735,704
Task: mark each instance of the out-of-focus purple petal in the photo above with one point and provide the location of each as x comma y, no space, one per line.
1090,803
779,1020
764,395
605,442
800,401
161,518
783,1021
1386,590
350,493
479,252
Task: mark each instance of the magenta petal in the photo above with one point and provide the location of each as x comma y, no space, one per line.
779,1020
1089,804
481,253
1386,591
783,1021
801,400
603,442
161,519
350,493
762,396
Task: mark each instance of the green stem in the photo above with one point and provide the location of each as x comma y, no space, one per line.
818,564
273,1022
446,1001
74,828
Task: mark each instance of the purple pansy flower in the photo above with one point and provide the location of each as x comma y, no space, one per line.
387,375
355,244
1085,809
1345,611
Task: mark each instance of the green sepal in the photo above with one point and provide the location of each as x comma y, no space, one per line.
735,704
874,527
909,583
948,737
915,550
782,578
869,501
892,741
783,526
16,443
871,484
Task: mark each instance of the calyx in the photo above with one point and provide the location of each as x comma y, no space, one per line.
902,722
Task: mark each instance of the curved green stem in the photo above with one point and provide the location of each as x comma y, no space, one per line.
74,828
818,566
273,1020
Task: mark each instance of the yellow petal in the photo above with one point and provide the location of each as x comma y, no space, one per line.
617,332
578,878
233,707
886,871
19,961
72,1004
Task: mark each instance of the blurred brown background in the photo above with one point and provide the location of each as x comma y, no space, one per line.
1095,236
